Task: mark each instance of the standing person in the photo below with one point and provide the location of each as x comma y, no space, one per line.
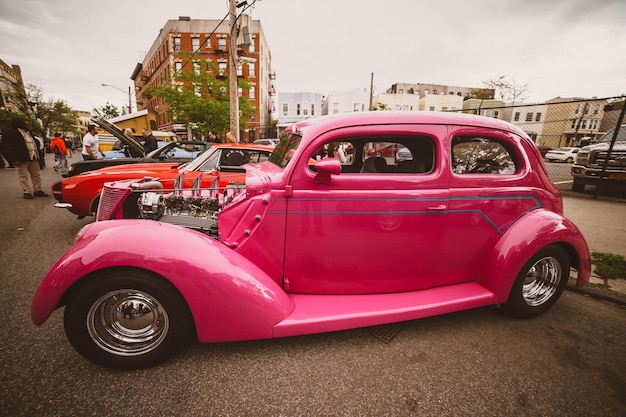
149,141
91,144
57,145
230,138
22,149
68,147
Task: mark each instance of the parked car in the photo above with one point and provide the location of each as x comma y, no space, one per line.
564,154
312,246
543,150
594,164
80,194
133,152
177,151
271,142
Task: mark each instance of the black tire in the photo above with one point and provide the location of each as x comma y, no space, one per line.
93,207
539,284
577,186
127,319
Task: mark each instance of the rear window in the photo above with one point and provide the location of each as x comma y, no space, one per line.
479,155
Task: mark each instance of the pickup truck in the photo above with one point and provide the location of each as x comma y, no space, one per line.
601,162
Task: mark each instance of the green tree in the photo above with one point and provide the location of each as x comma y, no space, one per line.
28,99
199,98
56,116
108,111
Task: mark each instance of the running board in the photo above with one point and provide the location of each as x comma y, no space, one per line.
328,313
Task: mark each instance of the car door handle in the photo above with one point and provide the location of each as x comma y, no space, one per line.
440,207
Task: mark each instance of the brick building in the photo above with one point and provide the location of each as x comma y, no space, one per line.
209,40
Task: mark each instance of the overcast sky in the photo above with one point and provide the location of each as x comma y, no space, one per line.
567,48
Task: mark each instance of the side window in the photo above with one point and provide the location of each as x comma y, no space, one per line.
380,155
341,151
478,155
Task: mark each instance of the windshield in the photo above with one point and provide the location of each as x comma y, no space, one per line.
282,153
608,136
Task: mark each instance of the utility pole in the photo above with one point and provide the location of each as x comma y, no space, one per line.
371,90
234,63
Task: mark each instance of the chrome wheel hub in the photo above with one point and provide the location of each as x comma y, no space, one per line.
127,322
542,281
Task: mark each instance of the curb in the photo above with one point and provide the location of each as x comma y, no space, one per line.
598,292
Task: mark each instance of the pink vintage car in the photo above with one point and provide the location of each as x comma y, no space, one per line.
313,244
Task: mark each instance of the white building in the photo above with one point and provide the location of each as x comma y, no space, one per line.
346,101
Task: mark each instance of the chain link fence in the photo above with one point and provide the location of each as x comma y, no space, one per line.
563,129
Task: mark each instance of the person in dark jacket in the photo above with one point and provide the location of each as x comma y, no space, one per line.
150,142
22,149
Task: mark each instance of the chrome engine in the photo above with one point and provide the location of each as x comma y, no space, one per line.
195,208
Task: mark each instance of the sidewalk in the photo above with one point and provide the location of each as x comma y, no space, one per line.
603,223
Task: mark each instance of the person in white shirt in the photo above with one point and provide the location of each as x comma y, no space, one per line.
91,144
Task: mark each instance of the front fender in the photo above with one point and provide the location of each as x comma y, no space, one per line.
230,298
535,230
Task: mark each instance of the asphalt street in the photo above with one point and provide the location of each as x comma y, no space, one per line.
570,361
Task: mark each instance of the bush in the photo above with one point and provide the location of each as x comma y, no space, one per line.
609,265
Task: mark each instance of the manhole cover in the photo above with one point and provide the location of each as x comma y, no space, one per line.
386,332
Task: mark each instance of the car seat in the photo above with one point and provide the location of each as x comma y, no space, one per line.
374,164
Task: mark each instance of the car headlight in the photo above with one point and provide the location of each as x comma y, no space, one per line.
582,158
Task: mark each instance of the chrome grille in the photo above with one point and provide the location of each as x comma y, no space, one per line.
617,159
109,200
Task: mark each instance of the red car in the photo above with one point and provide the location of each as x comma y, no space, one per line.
81,194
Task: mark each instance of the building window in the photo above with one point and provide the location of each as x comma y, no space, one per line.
596,110
529,117
252,93
434,91
305,109
285,109
252,48
538,117
221,66
179,66
196,68
496,114
208,41
577,109
573,125
221,43
298,109
584,125
432,108
335,108
196,90
587,108
195,43
251,70
239,70
312,109
176,43
516,117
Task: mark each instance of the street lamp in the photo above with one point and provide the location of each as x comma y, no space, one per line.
130,108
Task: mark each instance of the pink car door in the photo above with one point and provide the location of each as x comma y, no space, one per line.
367,232
490,188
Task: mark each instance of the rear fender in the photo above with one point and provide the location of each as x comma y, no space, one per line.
528,235
229,297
